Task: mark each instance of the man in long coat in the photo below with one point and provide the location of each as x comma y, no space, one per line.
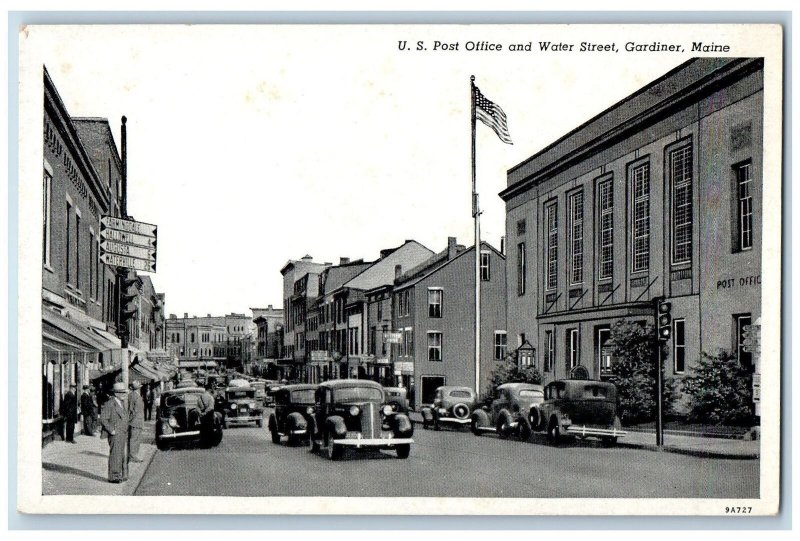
69,411
114,420
89,411
136,421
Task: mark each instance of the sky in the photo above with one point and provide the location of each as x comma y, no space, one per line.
250,146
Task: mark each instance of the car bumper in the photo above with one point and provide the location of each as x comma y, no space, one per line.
454,420
373,442
582,431
244,418
179,435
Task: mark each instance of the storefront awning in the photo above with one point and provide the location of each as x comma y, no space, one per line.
197,364
58,329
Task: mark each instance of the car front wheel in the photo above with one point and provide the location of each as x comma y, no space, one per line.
609,441
554,432
502,427
403,450
334,451
474,427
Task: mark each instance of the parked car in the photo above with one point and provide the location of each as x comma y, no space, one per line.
353,413
261,391
180,417
452,405
397,398
240,407
294,413
579,408
508,413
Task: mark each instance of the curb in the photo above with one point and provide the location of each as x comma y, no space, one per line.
690,452
145,467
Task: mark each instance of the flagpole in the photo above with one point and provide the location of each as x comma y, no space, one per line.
476,215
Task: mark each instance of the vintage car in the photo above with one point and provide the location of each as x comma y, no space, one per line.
452,405
261,391
397,398
182,416
579,408
294,413
353,413
240,407
508,413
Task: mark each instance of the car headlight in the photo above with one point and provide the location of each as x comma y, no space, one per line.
233,406
354,411
387,409
173,422
310,410
565,419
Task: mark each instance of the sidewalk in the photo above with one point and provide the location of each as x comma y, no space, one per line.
673,443
82,468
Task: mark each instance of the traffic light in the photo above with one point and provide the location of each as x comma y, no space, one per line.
664,319
128,293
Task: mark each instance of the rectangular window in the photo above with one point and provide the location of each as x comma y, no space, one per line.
680,176
604,350
575,230
48,187
91,264
68,246
549,351
77,251
500,345
408,338
434,346
679,345
408,302
97,267
551,246
521,226
380,310
640,180
605,214
521,268
434,303
744,189
572,348
485,270
743,322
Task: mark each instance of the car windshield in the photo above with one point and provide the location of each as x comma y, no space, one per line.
461,394
236,395
303,397
530,393
354,394
184,399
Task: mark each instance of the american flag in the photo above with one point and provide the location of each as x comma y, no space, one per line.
492,115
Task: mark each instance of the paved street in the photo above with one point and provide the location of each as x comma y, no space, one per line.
447,463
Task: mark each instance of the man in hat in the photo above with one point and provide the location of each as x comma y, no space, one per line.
69,411
88,410
114,419
136,421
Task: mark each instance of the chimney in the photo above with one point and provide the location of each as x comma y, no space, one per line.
503,245
208,315
186,315
451,247
344,260
398,270
269,307
124,144
172,316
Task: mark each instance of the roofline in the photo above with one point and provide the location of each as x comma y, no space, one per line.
737,67
414,281
107,123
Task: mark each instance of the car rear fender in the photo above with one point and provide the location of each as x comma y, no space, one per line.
480,417
335,425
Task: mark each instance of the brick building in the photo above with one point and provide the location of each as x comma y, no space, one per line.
659,195
269,339
434,314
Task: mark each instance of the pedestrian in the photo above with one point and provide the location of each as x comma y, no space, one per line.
69,412
114,420
149,398
136,422
89,411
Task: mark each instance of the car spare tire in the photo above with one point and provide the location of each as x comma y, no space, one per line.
461,411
